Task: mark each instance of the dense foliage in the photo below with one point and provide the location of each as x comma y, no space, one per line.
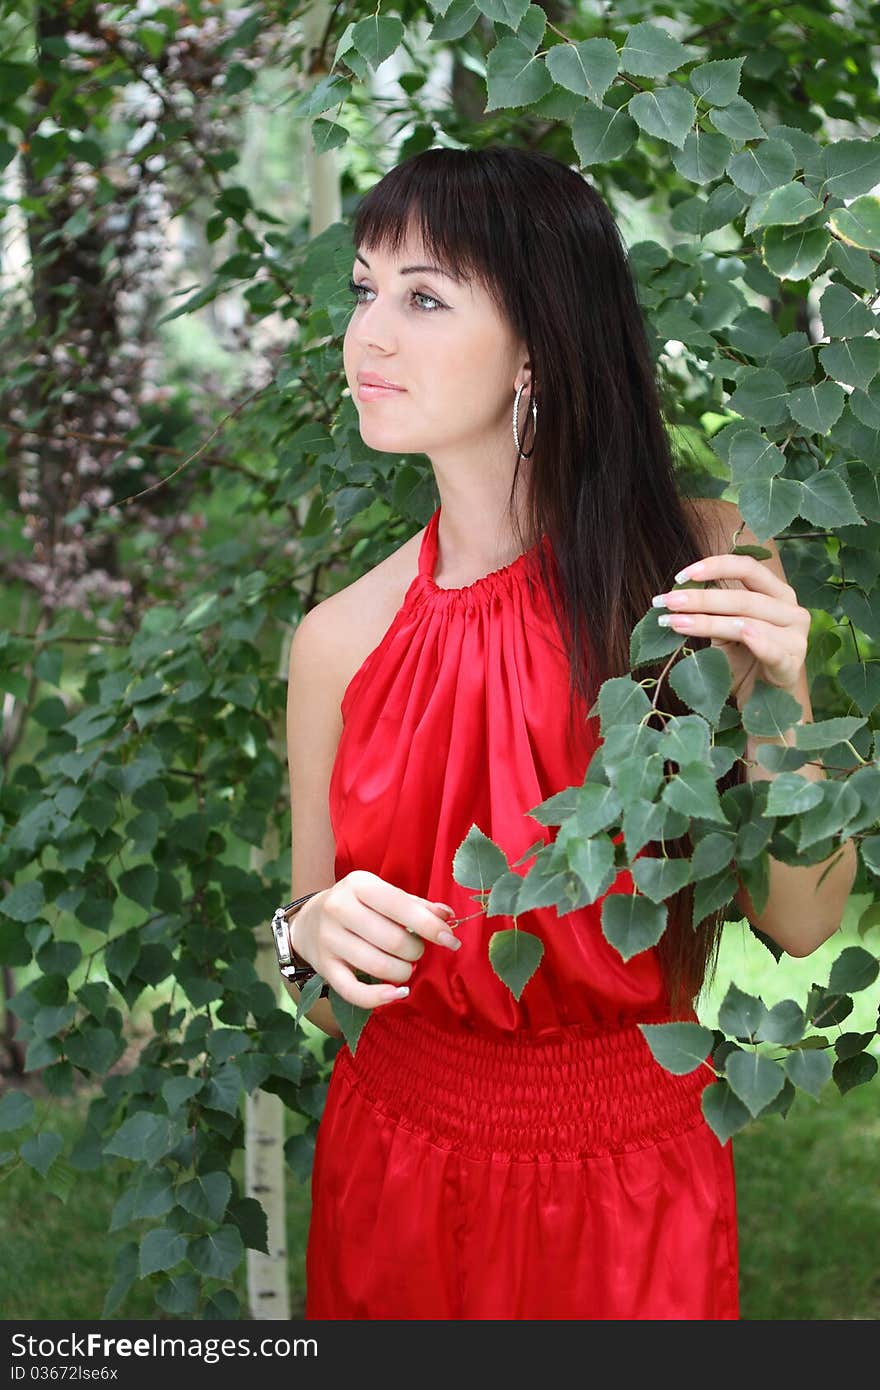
141,761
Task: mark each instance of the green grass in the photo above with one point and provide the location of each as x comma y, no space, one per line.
808,1198
58,1258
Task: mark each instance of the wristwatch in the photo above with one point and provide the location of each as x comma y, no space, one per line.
291,965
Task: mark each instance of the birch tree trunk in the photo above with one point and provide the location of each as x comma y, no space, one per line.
265,1171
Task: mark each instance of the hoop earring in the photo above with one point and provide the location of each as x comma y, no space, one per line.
519,449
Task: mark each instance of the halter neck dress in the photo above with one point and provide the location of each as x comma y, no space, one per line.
483,1156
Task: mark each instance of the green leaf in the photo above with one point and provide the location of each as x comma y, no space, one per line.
858,224
125,1273
761,395
740,1014
592,861
791,795
825,733
478,861
808,1069
844,315
712,854
694,793
703,681
763,166
217,1254
851,1044
514,76
755,1079
783,1024
785,206
752,457
854,1071
252,1223
717,82
826,501
818,407
824,1007
179,1295
160,1249
515,955
659,877
853,361
41,1150
703,157
650,51
738,121
224,1043
140,884
631,923
376,37
121,953
24,902
854,969
770,712
587,68
350,1017
206,1195
794,255
724,1113
94,1049
679,1047
16,1111
602,136
668,113
144,1137
850,167
151,1196
59,957
177,1090
223,1090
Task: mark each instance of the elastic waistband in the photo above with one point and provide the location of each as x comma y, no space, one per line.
577,1093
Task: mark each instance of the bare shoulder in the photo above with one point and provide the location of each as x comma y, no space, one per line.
716,521
342,630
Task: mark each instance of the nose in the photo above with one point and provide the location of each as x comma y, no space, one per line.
370,330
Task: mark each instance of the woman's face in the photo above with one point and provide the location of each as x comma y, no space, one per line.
445,344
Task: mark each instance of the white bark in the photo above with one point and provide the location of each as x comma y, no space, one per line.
268,1294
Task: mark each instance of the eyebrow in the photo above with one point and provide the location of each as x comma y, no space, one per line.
414,269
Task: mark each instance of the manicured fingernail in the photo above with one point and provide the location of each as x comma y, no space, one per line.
659,601
449,940
399,993
689,572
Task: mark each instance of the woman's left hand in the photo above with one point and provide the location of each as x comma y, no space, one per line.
761,628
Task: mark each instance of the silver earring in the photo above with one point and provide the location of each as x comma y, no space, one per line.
519,449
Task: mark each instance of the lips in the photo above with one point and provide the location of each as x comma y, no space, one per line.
373,379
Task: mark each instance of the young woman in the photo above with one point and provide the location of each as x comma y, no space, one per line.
479,1155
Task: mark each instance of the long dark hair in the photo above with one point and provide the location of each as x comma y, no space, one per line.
601,483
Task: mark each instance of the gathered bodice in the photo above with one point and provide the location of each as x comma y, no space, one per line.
459,717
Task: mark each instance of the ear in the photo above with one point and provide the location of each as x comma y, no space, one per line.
523,376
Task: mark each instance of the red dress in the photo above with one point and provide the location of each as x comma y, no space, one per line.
481,1156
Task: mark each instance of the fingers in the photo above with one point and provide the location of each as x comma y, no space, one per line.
729,603
409,912
754,573
370,925
359,993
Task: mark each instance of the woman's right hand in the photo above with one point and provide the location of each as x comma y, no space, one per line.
365,923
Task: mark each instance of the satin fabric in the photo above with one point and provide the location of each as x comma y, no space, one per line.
482,1156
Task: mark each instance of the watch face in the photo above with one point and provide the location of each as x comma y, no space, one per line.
282,938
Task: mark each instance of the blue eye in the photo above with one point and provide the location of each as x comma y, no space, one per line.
416,294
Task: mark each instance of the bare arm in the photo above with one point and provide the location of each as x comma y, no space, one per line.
314,724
